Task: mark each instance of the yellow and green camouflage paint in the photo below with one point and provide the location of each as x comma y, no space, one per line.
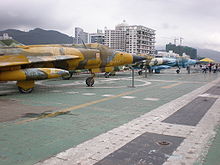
25,63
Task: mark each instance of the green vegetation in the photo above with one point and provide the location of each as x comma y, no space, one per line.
192,52
9,42
1,44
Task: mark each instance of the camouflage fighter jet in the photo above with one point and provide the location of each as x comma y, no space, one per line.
25,64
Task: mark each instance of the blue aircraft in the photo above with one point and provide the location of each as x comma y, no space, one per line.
159,63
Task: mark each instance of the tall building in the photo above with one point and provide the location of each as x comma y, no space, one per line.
115,39
131,38
140,39
97,37
80,36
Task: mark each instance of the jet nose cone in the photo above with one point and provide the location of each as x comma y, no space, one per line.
138,58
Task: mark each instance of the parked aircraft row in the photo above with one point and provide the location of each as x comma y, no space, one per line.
26,64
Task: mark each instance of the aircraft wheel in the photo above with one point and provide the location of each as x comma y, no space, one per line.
68,77
106,75
140,72
112,74
90,81
157,71
22,90
177,71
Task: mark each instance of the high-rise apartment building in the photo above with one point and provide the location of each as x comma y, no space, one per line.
80,36
115,39
134,39
140,39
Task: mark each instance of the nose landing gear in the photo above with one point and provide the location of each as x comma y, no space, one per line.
90,80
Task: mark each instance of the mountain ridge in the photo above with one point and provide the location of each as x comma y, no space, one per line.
38,36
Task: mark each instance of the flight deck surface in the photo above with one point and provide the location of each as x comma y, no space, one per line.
166,118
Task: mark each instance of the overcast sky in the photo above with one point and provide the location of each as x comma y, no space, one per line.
197,21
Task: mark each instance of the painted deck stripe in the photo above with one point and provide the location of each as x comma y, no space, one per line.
107,95
151,99
128,97
72,92
56,91
63,111
88,94
172,85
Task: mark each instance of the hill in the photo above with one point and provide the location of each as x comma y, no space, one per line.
215,55
38,36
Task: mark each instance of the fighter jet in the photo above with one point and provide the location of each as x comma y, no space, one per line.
179,62
185,63
159,63
27,63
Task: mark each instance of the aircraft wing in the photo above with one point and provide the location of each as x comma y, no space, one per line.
160,67
14,60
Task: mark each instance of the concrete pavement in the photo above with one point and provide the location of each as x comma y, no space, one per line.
74,124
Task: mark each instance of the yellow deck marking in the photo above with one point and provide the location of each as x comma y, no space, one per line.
63,111
172,85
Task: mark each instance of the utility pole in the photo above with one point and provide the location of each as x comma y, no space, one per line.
132,75
175,39
181,41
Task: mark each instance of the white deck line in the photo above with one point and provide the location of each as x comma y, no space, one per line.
188,152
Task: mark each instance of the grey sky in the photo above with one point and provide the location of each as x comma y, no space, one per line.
197,21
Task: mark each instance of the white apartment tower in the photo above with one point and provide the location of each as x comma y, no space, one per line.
115,39
134,39
140,39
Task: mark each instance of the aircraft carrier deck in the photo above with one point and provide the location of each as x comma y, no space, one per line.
166,118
